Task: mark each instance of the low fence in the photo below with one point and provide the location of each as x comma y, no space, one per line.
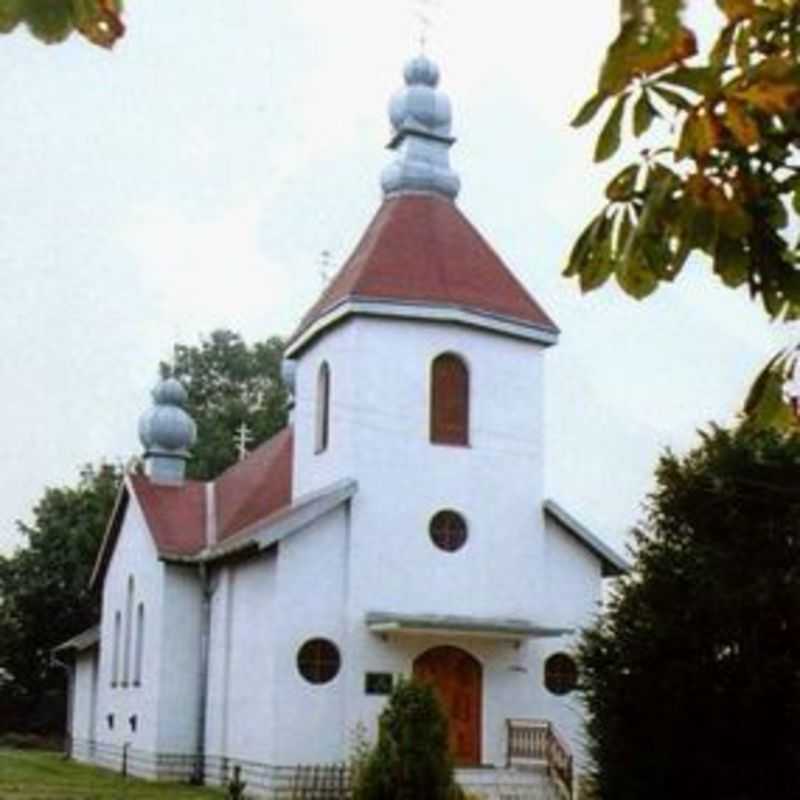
302,782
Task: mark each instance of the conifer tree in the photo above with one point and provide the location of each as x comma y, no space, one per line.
411,760
692,678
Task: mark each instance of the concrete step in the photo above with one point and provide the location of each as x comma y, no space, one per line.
508,784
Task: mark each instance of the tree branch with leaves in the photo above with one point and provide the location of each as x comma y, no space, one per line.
725,183
53,21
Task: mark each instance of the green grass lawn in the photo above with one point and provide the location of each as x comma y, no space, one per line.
36,775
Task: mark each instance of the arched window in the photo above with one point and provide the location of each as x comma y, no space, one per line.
137,667
126,663
323,407
449,400
115,651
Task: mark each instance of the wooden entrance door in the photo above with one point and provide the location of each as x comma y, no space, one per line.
456,675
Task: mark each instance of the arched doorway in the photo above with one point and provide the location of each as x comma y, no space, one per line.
457,677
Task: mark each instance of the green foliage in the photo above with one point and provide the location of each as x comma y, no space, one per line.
52,21
360,751
229,384
44,597
692,677
723,180
411,760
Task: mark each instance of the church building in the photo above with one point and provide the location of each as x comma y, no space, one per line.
397,526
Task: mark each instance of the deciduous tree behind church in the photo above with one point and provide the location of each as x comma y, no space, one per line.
44,597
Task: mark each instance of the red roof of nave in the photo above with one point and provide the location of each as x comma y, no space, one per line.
255,487
175,515
421,248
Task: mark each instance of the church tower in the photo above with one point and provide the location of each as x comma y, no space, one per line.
419,374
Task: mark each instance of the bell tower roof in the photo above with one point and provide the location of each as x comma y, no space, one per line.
420,257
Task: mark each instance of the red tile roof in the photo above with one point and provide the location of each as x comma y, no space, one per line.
245,493
420,247
176,515
256,487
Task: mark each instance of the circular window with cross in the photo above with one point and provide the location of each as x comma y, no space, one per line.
448,530
318,660
560,674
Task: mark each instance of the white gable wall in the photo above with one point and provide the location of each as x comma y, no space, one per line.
135,554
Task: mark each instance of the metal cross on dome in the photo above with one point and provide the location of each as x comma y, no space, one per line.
423,11
243,437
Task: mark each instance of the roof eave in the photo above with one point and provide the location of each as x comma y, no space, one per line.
384,623
354,305
111,533
614,565
267,532
82,641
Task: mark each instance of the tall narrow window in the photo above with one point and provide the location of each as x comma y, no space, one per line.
449,400
126,663
115,651
137,664
323,407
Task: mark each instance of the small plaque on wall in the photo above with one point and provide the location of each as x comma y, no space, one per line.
378,683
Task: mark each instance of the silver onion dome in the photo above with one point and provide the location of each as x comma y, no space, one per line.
421,120
165,428
421,70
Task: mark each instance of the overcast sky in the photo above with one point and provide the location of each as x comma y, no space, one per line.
190,180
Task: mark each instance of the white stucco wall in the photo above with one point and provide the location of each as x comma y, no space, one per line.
179,651
312,583
134,555
219,661
380,436
575,585
246,728
84,699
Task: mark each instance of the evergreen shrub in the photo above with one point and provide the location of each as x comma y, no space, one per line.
411,760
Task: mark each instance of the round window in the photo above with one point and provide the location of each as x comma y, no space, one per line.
318,660
560,674
448,531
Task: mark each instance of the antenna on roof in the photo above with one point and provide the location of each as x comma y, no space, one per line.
133,466
325,266
242,438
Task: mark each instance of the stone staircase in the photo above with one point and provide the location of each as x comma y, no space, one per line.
509,784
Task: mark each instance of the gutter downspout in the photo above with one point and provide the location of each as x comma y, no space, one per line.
198,774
